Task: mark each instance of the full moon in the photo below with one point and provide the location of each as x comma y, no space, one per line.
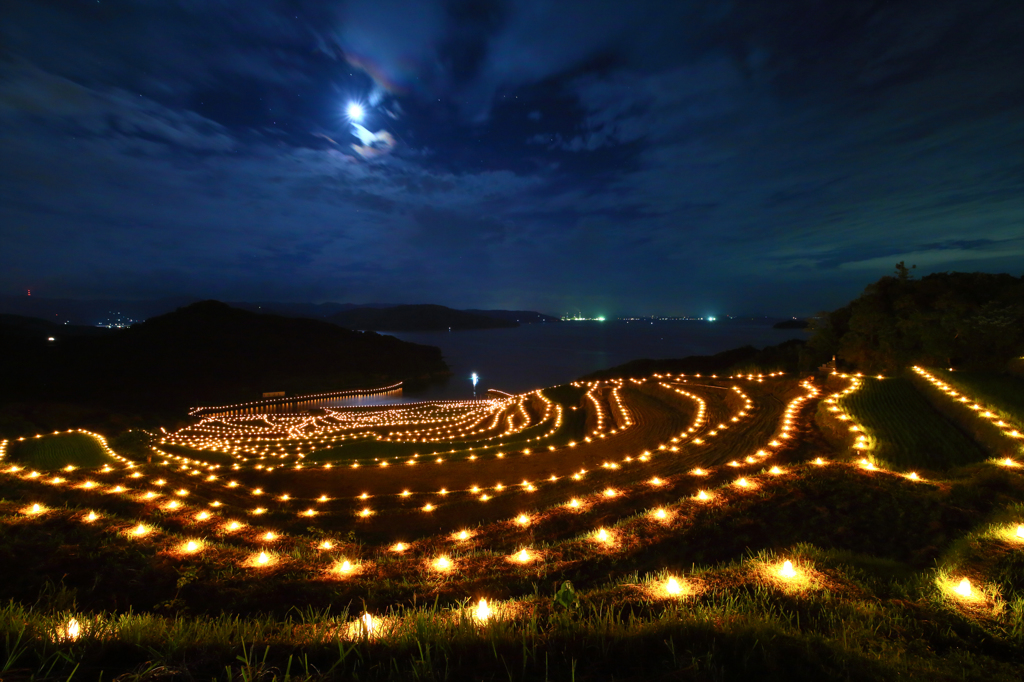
355,111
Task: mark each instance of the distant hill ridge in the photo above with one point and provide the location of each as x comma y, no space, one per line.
94,312
201,353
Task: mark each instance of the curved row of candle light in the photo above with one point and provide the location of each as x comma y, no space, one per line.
305,398
982,411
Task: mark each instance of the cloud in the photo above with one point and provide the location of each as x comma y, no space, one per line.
30,95
120,183
648,153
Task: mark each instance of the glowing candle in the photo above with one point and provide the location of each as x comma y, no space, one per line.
326,544
263,559
703,496
483,611
442,563
72,629
522,519
787,571
672,587
964,588
1020,531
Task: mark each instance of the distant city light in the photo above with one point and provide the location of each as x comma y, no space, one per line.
355,111
711,319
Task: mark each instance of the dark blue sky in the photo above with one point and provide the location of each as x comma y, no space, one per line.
677,157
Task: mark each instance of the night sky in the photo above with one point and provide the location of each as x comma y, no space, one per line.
674,156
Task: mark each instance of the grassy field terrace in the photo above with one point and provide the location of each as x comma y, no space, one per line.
670,527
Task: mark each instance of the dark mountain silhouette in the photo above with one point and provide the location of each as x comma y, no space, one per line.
97,312
408,318
204,353
519,316
966,319
316,311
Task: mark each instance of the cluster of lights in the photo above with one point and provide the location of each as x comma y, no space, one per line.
602,535
262,437
672,587
981,410
309,398
483,496
527,486
861,440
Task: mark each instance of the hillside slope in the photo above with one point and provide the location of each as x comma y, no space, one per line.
205,352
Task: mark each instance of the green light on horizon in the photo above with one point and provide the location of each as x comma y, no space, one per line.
600,319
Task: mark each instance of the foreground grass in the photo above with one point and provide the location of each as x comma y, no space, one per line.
56,451
907,432
848,619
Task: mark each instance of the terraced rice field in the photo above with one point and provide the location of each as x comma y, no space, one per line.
650,444
905,431
60,450
620,486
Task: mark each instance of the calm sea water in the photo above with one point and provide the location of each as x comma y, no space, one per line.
538,355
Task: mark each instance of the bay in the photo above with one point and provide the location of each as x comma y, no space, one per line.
539,355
